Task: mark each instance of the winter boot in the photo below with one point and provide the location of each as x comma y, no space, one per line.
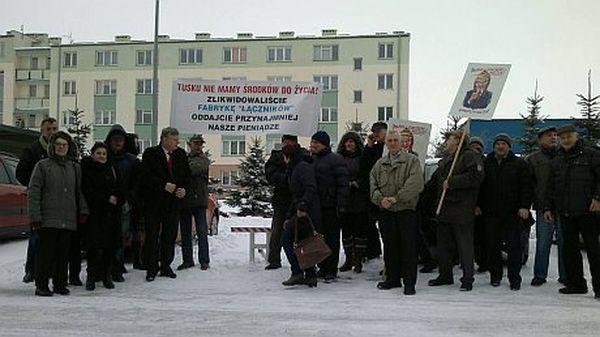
294,280
90,283
360,248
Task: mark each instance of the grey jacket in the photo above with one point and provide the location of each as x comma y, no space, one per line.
399,176
197,194
540,163
54,196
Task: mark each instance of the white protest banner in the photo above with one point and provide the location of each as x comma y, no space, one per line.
417,140
480,90
245,107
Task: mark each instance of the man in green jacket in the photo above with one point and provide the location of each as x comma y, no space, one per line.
396,181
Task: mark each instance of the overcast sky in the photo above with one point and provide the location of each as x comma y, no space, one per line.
555,41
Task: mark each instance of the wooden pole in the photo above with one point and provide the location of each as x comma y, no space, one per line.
456,154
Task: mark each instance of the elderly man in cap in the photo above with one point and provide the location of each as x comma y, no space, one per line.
276,172
545,230
195,204
573,193
333,185
505,198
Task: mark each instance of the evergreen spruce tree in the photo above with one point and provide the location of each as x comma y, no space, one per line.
590,111
531,122
451,125
79,130
254,196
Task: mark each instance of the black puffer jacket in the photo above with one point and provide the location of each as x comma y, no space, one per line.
506,188
303,187
31,155
461,198
358,195
575,182
99,182
276,174
331,173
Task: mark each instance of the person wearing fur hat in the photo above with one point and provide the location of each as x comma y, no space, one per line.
505,198
479,97
56,206
331,173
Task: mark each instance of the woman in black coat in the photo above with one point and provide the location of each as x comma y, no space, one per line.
102,190
304,213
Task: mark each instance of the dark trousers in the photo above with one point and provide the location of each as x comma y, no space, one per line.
588,226
480,242
31,252
287,242
498,230
75,255
185,224
52,258
279,214
399,234
161,233
330,228
354,233
372,233
100,263
424,248
453,238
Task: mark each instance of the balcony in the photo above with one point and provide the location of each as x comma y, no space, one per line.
32,103
33,74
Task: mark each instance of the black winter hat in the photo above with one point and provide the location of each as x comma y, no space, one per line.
504,138
322,137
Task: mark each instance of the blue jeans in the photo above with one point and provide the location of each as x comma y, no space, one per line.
287,242
185,225
119,268
31,252
544,236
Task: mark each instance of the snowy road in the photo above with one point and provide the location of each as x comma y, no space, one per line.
234,298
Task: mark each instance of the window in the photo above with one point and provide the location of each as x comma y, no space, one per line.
106,87
33,91
46,90
48,63
329,114
358,63
143,117
357,96
228,177
2,49
234,78
326,53
34,63
144,87
143,144
4,178
235,55
190,56
279,54
70,60
273,143
31,121
279,78
386,50
107,58
234,147
144,58
105,117
385,81
385,112
68,118
330,82
69,88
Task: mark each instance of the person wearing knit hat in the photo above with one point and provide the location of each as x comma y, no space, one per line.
503,137
333,185
477,144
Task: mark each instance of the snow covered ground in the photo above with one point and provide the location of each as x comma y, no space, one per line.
234,298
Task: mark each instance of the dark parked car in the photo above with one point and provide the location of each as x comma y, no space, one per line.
14,221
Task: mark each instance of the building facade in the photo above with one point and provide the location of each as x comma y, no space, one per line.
365,77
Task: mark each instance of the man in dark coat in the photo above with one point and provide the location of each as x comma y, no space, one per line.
166,177
574,194
127,166
455,221
476,144
545,230
331,173
276,173
31,155
371,154
505,197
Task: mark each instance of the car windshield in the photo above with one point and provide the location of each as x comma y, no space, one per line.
11,166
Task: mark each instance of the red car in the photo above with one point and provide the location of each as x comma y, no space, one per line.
14,221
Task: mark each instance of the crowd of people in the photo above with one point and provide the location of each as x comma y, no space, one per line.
358,196
110,203
474,207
